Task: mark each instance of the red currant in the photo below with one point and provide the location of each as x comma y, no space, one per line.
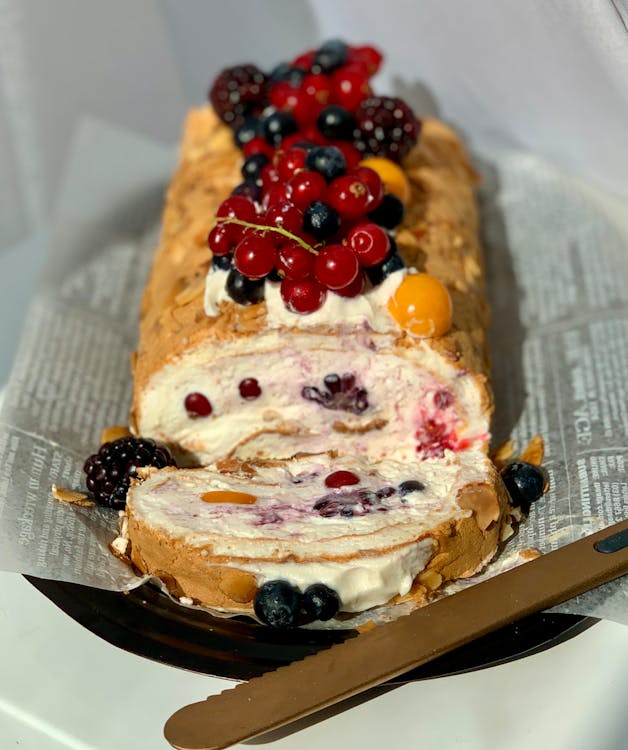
282,95
302,297
341,479
277,193
237,207
286,215
318,88
370,243
257,145
305,60
290,162
292,139
349,196
249,389
306,187
355,288
373,182
222,238
269,176
294,262
349,151
197,405
350,87
336,266
255,255
370,57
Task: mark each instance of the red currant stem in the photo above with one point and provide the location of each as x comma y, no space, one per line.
265,228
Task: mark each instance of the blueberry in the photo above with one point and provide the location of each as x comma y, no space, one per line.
321,221
247,131
385,492
389,213
252,167
248,190
222,261
285,72
277,603
411,485
381,271
328,160
243,290
524,482
277,126
320,602
335,122
331,55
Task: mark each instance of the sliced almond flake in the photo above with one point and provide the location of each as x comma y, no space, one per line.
534,451
503,454
529,554
71,497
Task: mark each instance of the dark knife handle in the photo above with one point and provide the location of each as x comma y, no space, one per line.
304,687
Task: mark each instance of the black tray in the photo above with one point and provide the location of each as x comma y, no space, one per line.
148,623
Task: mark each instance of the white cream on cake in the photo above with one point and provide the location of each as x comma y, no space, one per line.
368,541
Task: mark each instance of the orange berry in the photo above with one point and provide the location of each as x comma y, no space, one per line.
228,496
422,306
392,175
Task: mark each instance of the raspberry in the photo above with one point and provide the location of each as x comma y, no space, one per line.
238,92
109,471
386,126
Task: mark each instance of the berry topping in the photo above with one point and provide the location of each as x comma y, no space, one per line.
108,472
341,479
294,262
349,197
249,389
352,503
306,187
250,190
350,85
370,244
237,92
443,398
331,55
255,255
302,297
328,161
373,182
320,602
252,167
290,162
242,290
278,125
237,207
197,405
246,132
391,174
286,215
355,288
525,483
340,393
410,485
257,145
392,263
389,213
335,122
222,262
421,305
386,126
287,73
277,604
223,238
321,221
369,57
336,266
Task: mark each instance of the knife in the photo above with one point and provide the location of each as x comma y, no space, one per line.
346,669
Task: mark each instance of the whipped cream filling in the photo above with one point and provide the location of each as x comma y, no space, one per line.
416,404
300,530
368,309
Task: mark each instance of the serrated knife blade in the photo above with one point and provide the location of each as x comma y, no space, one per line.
304,687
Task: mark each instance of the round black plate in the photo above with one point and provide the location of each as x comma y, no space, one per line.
148,623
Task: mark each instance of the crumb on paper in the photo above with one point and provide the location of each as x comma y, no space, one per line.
529,554
186,601
71,497
120,549
534,451
114,432
366,626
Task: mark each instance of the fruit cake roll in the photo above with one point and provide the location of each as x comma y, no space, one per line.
233,367
299,540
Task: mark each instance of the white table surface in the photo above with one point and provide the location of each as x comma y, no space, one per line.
63,688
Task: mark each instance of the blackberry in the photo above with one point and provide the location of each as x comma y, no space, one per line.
336,123
321,221
389,213
237,93
252,167
277,603
331,55
328,160
385,126
243,290
525,483
277,126
109,471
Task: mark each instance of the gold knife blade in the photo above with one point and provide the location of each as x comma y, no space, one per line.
304,687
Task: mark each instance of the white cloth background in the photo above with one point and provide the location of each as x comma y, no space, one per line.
550,76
